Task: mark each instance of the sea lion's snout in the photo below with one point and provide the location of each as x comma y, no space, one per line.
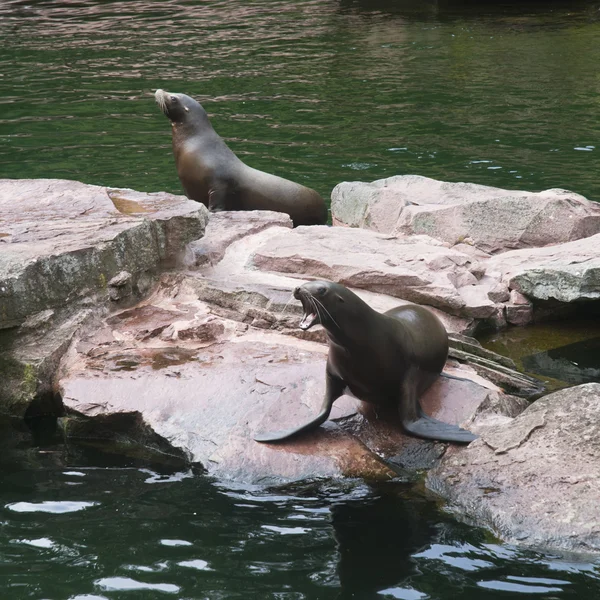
311,312
161,99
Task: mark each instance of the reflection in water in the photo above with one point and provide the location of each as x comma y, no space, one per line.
566,352
574,363
377,536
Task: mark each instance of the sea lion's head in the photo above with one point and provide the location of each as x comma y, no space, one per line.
178,108
320,301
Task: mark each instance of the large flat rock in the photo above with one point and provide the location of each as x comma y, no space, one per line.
533,479
61,241
205,385
492,219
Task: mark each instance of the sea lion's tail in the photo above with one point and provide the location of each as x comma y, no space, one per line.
432,429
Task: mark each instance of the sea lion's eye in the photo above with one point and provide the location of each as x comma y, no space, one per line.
173,98
321,291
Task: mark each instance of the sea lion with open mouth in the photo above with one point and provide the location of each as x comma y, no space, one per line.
212,174
386,358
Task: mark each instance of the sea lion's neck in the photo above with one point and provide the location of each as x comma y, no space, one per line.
352,326
191,128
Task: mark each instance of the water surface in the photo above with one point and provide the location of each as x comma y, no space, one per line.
319,91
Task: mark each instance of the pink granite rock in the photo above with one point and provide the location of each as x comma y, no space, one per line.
63,240
417,269
492,219
533,479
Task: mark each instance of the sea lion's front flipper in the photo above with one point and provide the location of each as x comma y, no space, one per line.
217,197
287,434
432,429
334,389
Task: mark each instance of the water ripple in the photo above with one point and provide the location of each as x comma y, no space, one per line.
48,506
117,584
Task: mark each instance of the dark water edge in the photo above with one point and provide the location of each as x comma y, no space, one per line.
85,525
560,353
319,91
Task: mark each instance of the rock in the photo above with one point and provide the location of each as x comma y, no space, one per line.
66,247
206,401
519,314
38,319
233,286
416,269
492,219
499,292
64,240
227,227
496,409
533,480
208,329
566,272
469,346
120,286
29,359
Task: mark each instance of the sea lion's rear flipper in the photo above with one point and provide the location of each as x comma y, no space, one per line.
334,388
432,429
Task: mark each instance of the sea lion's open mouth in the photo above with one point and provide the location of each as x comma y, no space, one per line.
309,319
311,314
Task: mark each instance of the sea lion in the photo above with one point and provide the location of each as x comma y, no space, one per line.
386,358
212,174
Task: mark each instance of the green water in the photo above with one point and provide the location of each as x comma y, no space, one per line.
320,92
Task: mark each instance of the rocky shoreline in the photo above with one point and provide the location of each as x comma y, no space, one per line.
144,322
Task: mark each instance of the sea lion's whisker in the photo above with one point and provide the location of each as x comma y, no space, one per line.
315,307
328,313
161,104
280,317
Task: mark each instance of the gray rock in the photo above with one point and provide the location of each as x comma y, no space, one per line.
492,219
533,479
566,272
64,240
29,359
120,286
65,248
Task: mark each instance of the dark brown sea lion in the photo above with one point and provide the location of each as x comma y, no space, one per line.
212,174
386,358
